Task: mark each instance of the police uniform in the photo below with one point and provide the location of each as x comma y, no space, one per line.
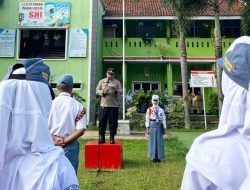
109,107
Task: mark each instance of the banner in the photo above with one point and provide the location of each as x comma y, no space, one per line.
7,42
44,14
78,42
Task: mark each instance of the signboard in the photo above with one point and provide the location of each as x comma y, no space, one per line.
44,14
78,42
7,42
203,79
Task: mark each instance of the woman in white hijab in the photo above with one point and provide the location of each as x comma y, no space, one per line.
28,158
156,125
220,159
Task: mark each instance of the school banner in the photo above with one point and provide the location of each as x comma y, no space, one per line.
44,14
7,42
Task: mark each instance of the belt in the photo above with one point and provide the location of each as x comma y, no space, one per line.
156,120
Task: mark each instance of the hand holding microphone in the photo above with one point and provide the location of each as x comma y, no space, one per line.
106,88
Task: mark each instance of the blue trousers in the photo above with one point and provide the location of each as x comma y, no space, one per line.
71,151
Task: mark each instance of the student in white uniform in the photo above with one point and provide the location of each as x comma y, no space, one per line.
220,159
28,158
156,125
67,120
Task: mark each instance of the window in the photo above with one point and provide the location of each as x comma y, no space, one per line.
146,86
44,43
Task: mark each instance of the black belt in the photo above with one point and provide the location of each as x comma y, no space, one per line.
156,120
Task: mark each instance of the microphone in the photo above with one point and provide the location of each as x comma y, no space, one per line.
106,86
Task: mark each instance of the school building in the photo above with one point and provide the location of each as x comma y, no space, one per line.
84,38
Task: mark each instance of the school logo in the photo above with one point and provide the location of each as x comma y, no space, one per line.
73,187
228,65
45,75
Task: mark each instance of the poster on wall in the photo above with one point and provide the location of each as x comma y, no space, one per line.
7,42
78,42
44,14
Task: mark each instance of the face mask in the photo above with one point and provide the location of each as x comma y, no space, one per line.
155,103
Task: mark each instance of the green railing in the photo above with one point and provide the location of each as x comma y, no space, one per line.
196,47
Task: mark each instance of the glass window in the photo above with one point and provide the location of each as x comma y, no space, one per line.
137,86
155,86
44,43
146,86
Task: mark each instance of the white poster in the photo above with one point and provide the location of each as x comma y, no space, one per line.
44,14
7,42
78,42
203,79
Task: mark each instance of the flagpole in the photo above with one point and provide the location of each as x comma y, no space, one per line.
123,57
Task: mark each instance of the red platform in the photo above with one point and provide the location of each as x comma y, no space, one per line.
110,155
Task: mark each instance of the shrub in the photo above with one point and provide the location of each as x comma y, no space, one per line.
176,114
142,100
78,97
130,112
213,107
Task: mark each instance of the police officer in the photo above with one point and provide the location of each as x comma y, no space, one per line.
109,89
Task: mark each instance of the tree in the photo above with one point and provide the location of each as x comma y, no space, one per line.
245,18
184,10
215,6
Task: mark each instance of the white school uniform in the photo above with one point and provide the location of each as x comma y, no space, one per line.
28,158
63,113
151,114
220,159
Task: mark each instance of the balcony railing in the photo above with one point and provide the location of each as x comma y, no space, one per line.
196,47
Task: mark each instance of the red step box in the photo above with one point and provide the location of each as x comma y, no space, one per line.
110,155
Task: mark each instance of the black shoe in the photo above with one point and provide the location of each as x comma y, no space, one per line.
101,139
158,160
112,140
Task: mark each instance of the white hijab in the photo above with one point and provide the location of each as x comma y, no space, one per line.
28,158
223,155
